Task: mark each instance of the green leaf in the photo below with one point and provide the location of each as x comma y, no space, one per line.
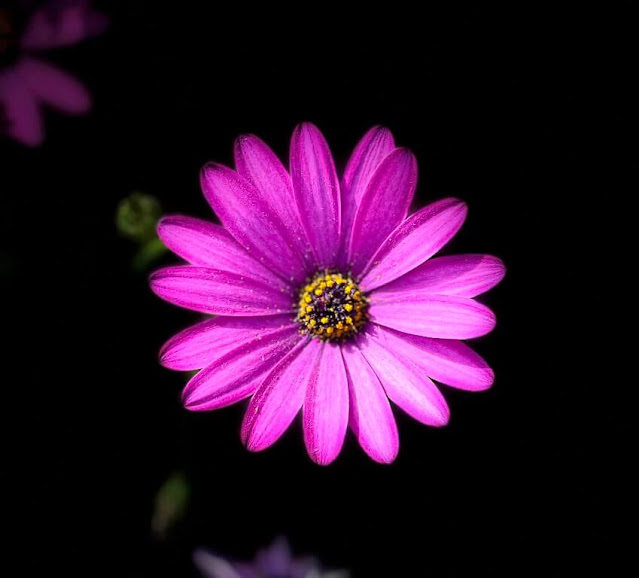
171,503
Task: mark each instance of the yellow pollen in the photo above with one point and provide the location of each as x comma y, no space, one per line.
331,307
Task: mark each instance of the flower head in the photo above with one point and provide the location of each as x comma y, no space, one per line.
275,561
27,82
325,296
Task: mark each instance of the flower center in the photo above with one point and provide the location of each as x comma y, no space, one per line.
331,307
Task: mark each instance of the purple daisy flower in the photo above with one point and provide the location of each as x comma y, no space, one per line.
273,562
325,295
27,82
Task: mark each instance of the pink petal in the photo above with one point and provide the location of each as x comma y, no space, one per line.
249,217
418,238
405,384
451,362
218,292
19,109
317,192
384,205
200,345
375,145
371,417
208,245
256,162
238,373
280,397
440,316
55,87
326,407
463,275
69,25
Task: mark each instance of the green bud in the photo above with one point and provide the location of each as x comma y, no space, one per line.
137,216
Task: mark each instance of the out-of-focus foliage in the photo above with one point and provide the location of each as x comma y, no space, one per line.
171,503
136,218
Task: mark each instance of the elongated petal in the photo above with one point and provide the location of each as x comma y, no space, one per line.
20,114
371,417
62,26
449,361
218,292
248,216
211,566
205,244
317,192
404,383
418,238
326,407
56,87
275,560
384,205
440,316
280,397
202,344
257,163
375,145
238,373
463,275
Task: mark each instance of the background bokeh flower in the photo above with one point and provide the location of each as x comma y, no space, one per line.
27,82
276,561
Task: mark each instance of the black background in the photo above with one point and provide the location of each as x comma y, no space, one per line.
502,109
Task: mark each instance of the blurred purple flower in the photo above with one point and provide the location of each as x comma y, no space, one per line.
27,82
325,295
273,562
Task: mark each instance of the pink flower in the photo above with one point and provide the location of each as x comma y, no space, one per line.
27,82
325,295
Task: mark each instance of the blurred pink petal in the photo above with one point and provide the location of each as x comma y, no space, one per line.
19,108
29,83
55,87
67,25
